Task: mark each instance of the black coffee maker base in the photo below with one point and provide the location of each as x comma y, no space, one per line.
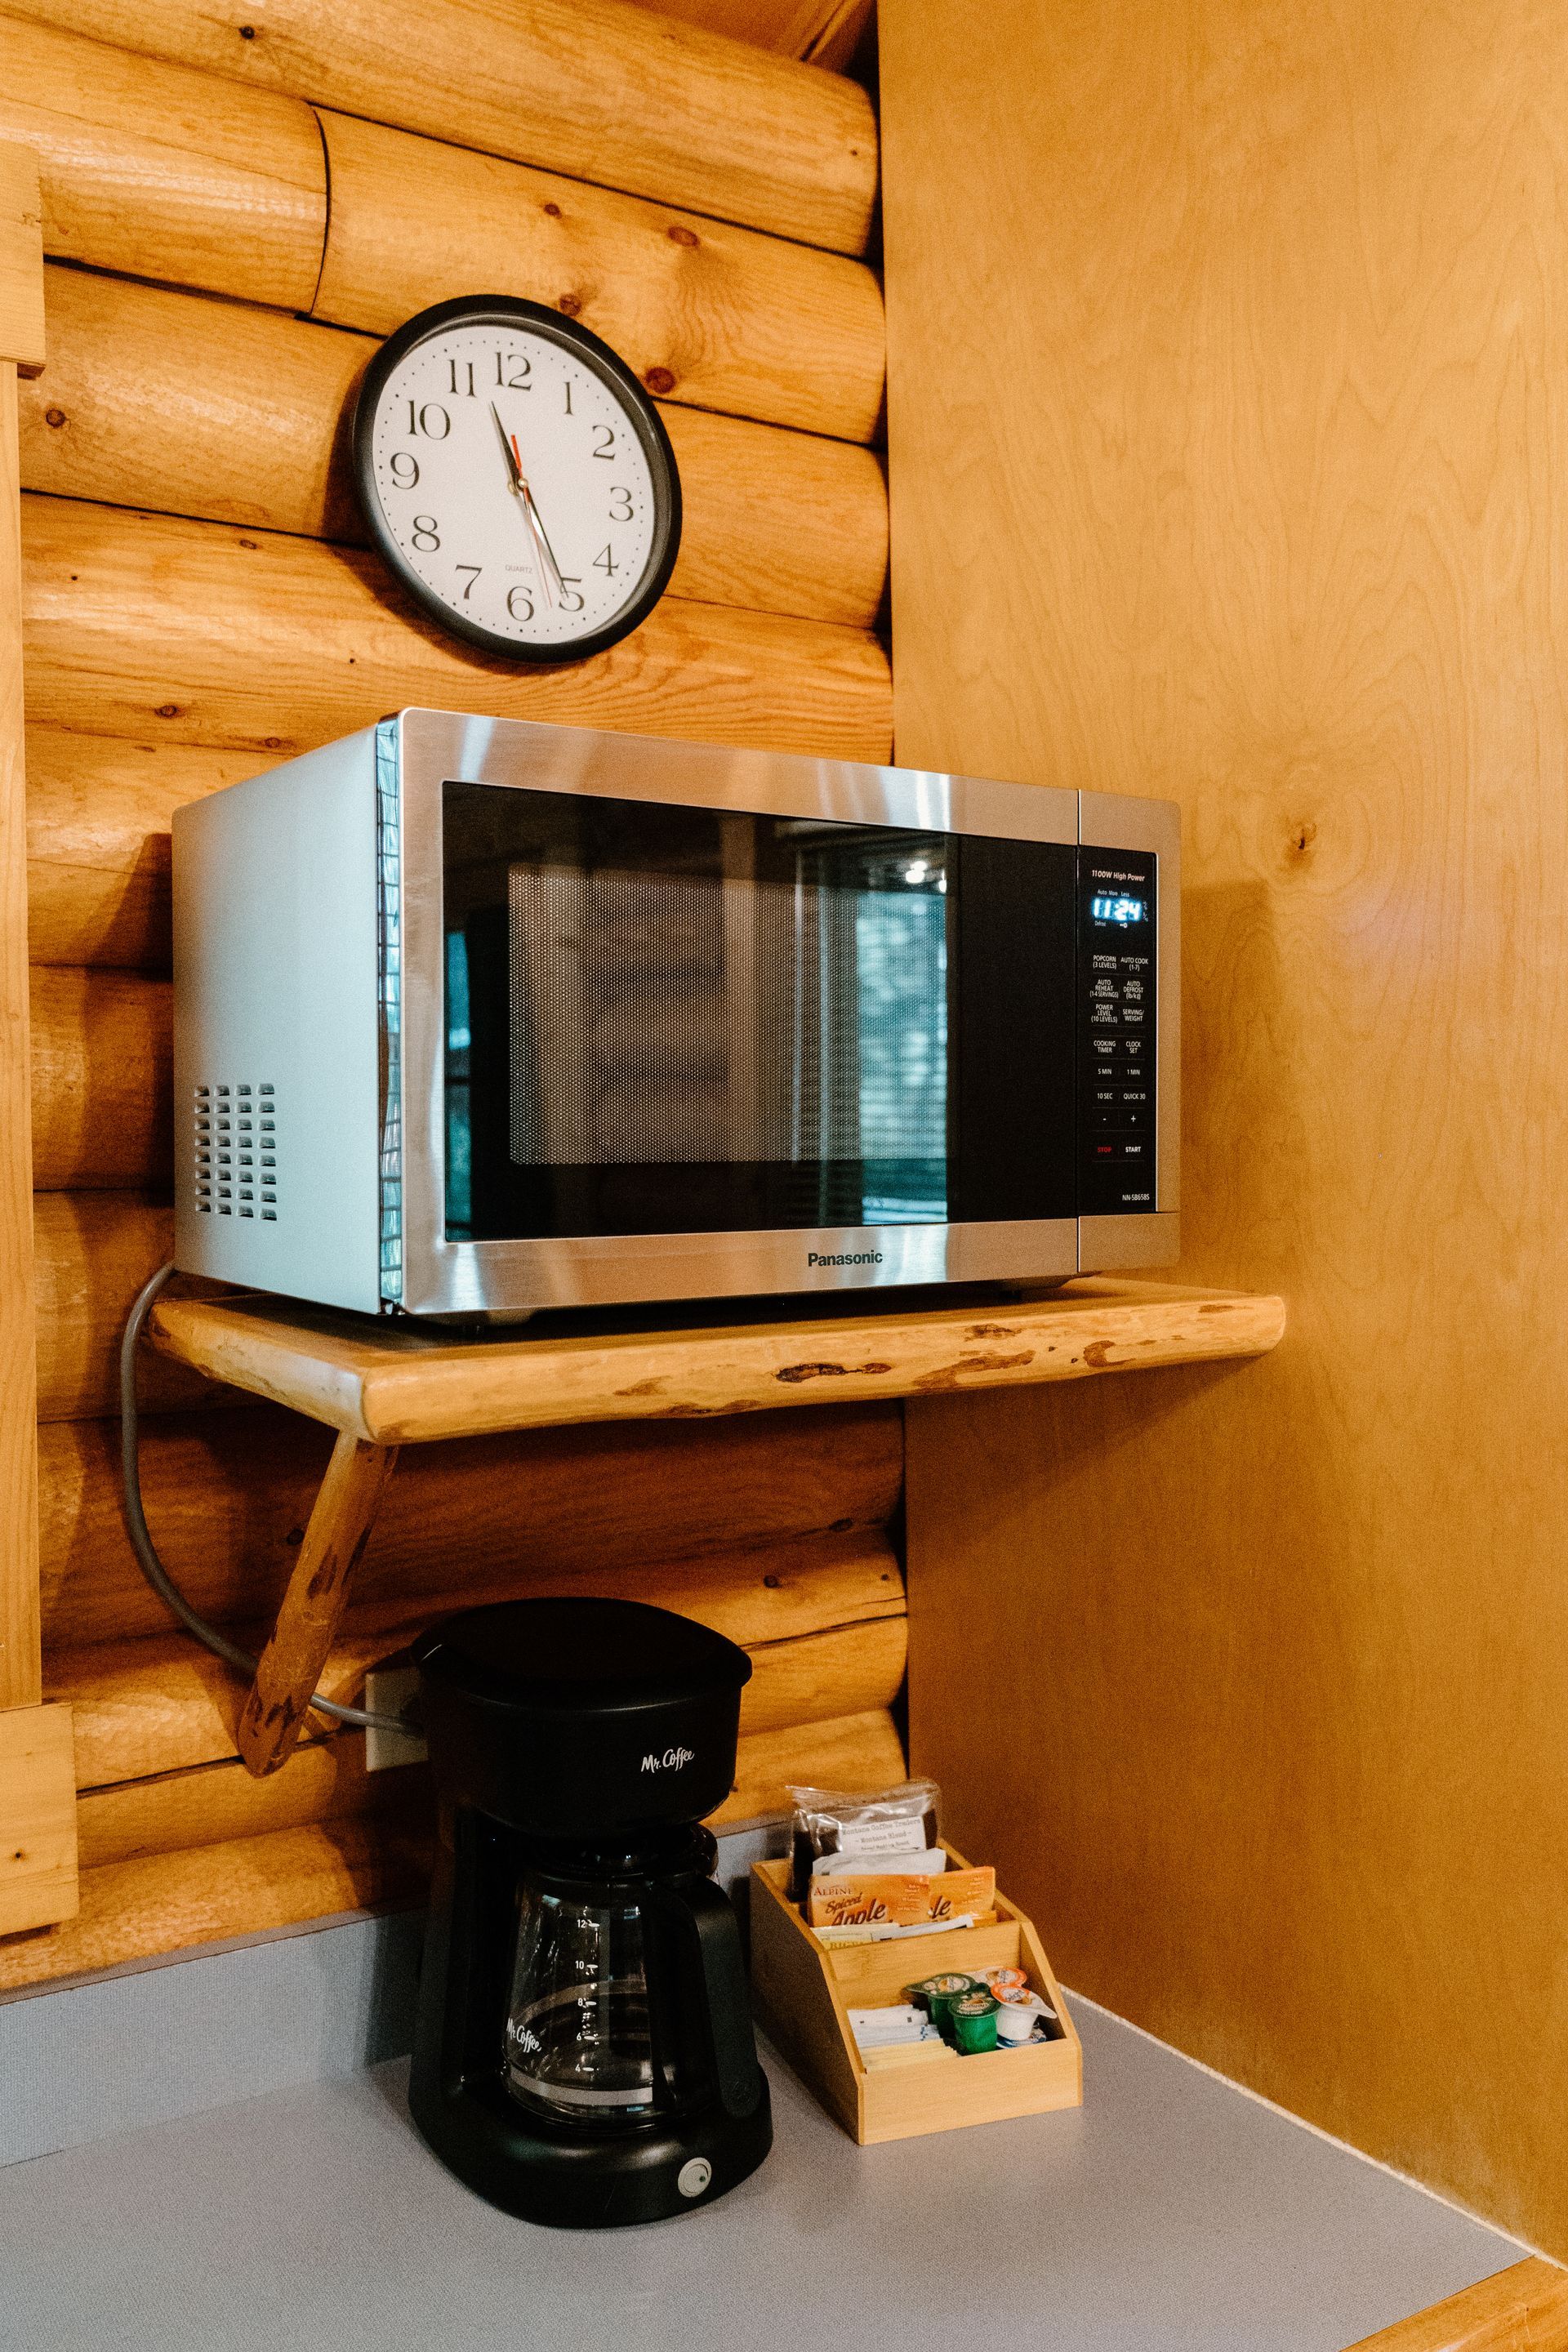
571,2181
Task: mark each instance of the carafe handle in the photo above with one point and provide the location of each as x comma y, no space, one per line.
705,1915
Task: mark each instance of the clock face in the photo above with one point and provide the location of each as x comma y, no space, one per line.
517,478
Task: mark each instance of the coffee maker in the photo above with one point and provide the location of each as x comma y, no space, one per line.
584,2054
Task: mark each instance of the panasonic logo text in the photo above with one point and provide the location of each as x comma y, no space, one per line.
854,1258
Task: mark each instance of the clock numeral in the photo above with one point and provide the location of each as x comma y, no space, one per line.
465,390
512,596
476,569
606,448
606,564
621,513
419,420
427,536
570,600
568,395
519,382
403,468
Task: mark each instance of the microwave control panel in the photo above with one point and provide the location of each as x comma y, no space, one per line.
1117,913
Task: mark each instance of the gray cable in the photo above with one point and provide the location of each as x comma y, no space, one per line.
146,1551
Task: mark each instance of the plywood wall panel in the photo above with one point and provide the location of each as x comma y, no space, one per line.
102,1056
195,633
1263,507
227,1495
713,315
163,172
192,406
595,88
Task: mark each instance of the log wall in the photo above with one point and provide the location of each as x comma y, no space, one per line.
199,603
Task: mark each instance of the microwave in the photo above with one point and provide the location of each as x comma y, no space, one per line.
475,1017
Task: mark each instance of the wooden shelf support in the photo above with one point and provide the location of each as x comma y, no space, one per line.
339,1527
382,1386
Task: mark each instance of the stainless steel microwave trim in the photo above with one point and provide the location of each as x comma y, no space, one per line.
440,1276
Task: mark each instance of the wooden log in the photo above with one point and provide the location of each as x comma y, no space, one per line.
1521,2309
37,1818
821,32
667,1513
93,1253
336,1533
159,1903
141,625
20,271
189,406
102,1048
163,172
165,1902
715,316
600,90
164,1704
98,841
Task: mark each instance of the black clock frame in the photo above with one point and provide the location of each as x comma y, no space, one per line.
509,309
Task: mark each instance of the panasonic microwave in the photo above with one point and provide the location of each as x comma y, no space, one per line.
475,1017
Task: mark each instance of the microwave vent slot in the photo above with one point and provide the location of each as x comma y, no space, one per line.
234,1149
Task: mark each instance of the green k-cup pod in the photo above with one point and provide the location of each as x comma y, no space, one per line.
972,2018
942,1991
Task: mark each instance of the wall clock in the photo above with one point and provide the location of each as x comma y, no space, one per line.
517,478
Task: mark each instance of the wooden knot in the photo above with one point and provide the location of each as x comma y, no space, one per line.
659,379
680,235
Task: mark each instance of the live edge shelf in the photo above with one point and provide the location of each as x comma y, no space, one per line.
382,1386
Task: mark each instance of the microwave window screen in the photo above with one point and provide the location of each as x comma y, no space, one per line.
668,1019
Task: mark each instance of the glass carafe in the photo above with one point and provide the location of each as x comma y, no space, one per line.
579,2047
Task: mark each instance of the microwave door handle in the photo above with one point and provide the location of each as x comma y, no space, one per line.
703,1917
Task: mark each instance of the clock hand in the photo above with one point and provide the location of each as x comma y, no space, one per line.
537,521
517,482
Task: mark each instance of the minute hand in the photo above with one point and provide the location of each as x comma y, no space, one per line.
517,482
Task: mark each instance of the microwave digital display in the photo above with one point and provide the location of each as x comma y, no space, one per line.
1119,910
672,1019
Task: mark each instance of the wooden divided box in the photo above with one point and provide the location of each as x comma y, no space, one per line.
804,1991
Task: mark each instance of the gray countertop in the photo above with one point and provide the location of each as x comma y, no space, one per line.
1172,2212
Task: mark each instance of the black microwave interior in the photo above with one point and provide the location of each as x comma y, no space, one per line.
671,1019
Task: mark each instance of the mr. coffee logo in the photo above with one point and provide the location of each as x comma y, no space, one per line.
670,1761
525,2037
854,1258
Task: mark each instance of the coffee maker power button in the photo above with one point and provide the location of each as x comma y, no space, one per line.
694,2175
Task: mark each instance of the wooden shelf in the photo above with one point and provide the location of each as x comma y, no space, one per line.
399,1384
385,1385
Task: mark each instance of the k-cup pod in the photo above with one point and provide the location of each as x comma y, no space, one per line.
972,2018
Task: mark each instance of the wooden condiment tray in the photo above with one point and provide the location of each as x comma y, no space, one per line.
804,1991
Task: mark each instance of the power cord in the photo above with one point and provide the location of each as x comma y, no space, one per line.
153,1569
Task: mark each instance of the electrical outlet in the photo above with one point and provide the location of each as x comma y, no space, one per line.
387,1691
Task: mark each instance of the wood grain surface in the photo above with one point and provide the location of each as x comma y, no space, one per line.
99,808
37,1818
21,258
823,32
92,1251
164,1704
142,625
102,1056
18,1495
294,1652
703,312
388,1394
192,406
163,172
159,1903
1260,506
599,90
1521,2309
766,1530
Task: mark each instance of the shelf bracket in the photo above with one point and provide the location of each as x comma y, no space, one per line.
342,1519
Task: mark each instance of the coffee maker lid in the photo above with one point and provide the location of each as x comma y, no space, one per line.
580,1654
